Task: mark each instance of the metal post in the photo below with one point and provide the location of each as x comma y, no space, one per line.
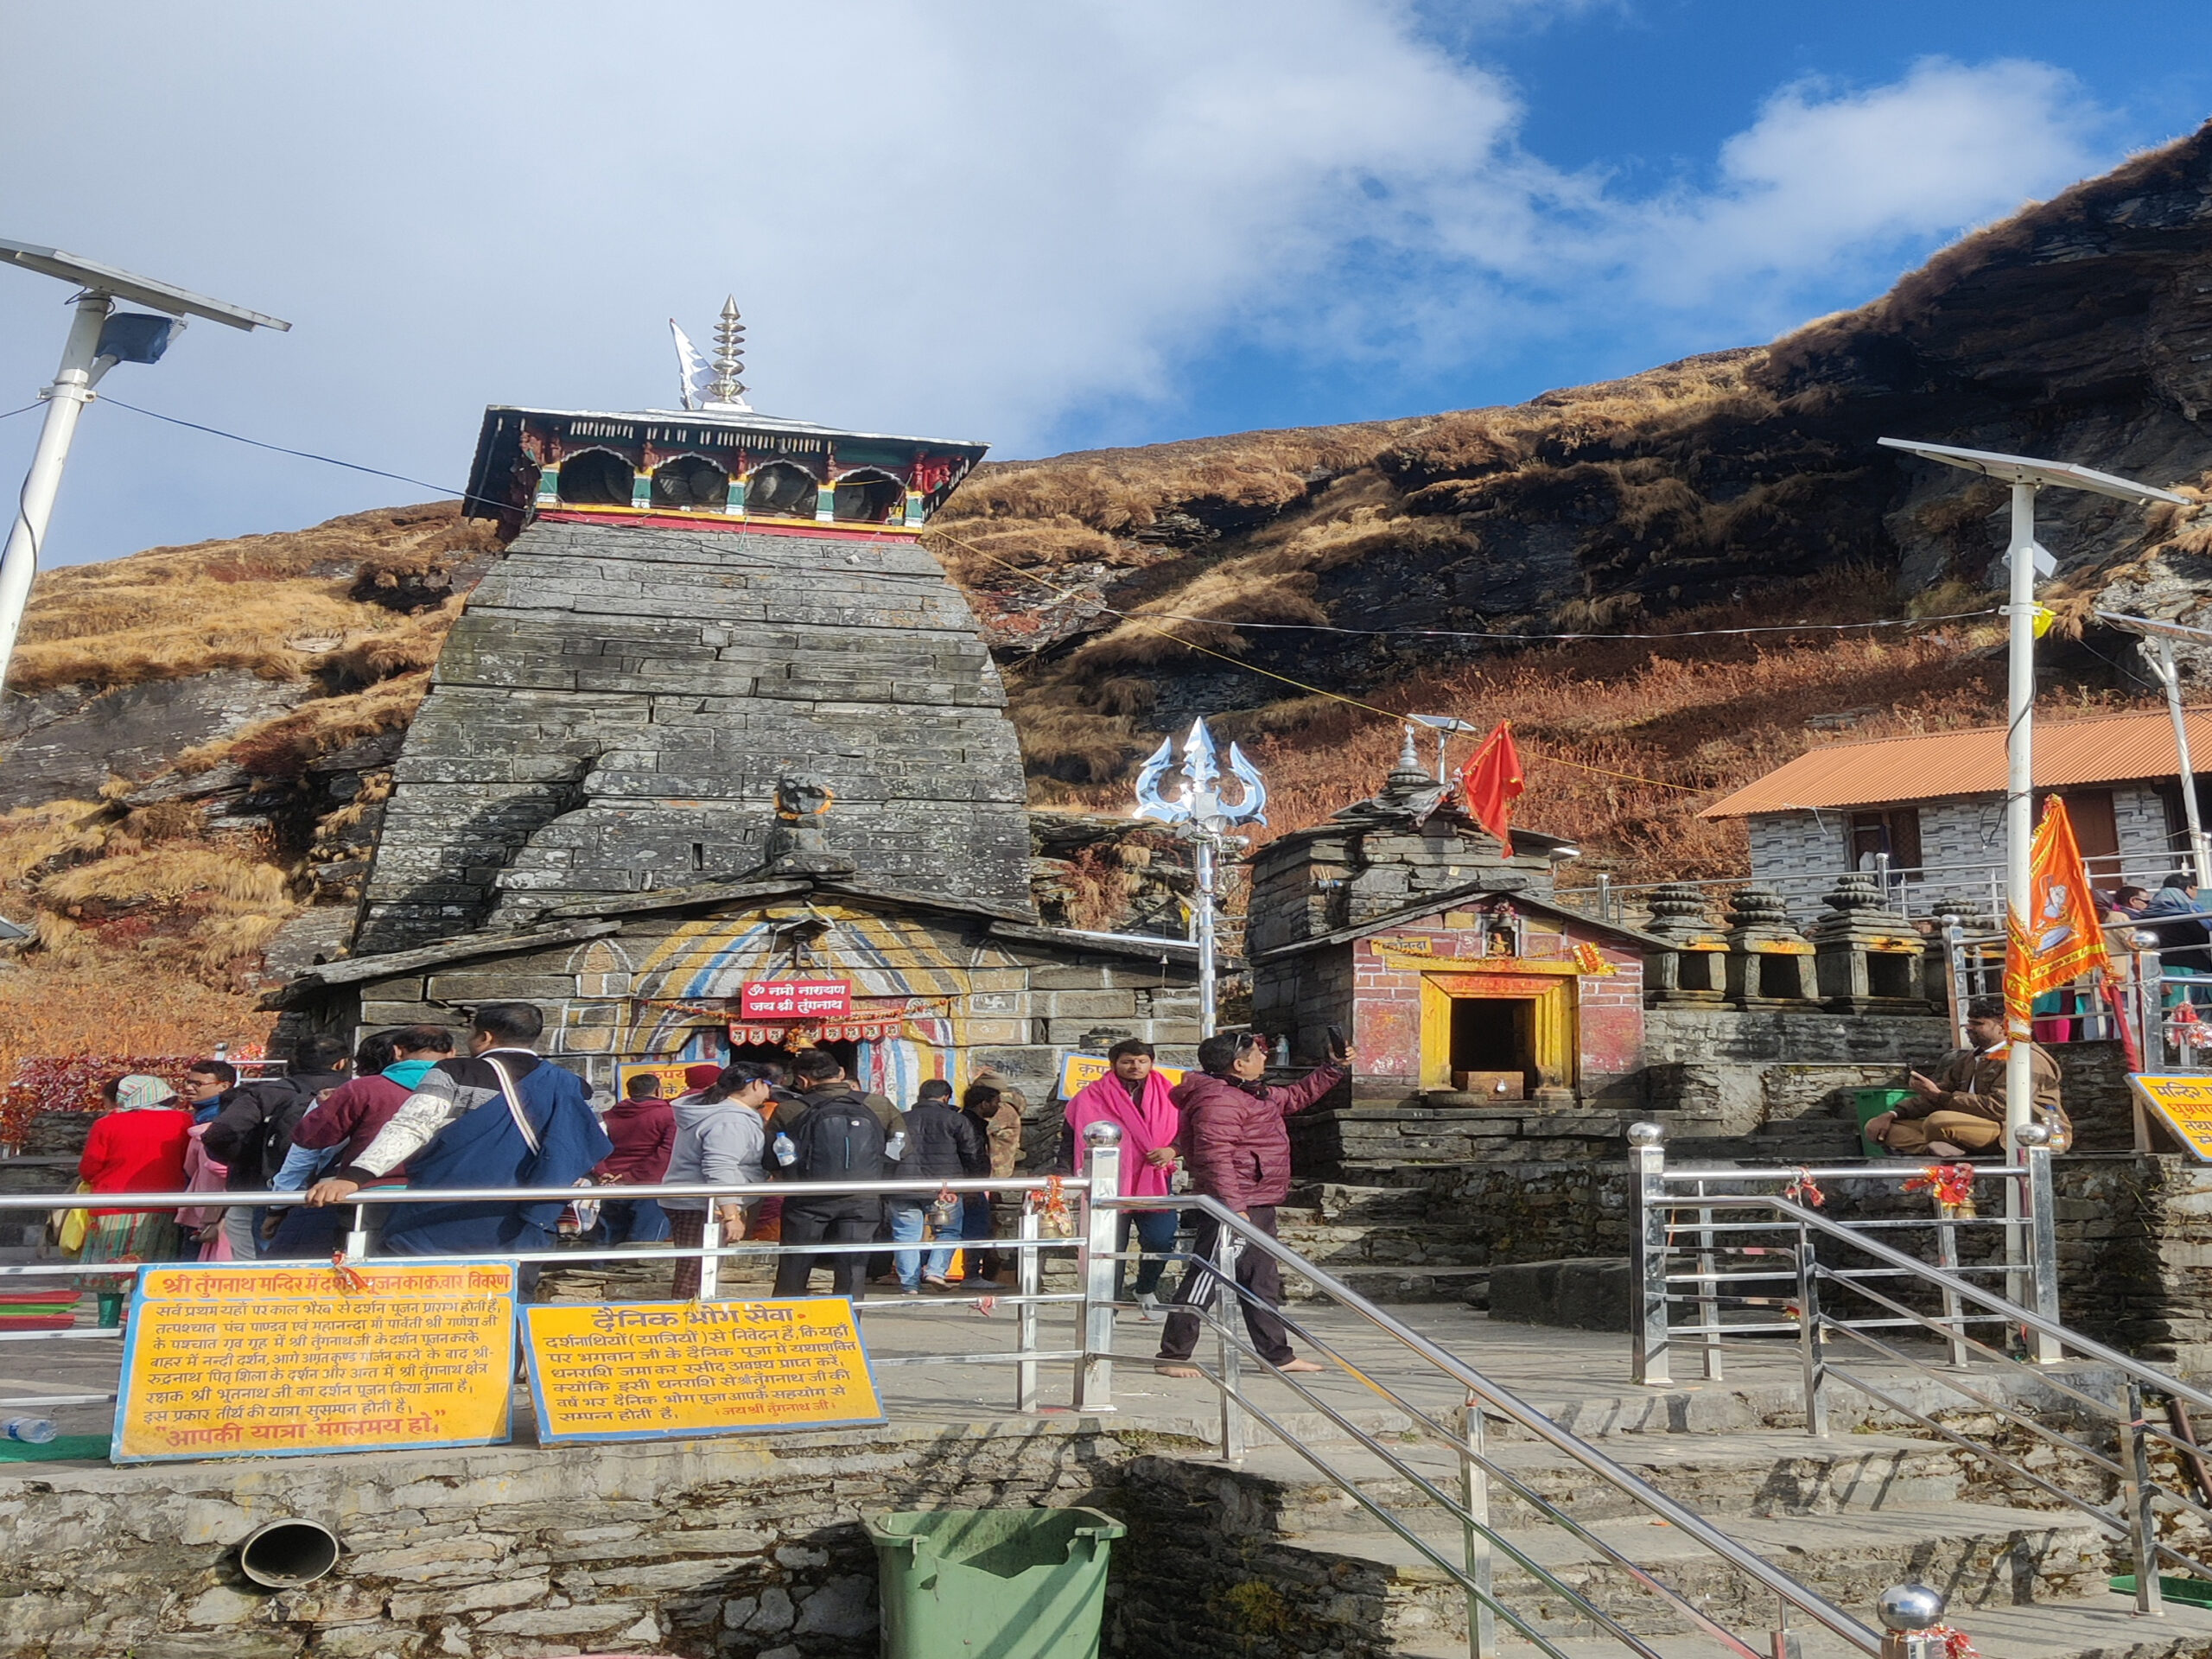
1102,1166
1228,1307
1647,1162
1811,1354
65,400
1207,997
1947,1257
710,1265
357,1239
1027,1281
1474,1502
1709,1300
2200,854
2019,830
2043,1242
2139,1494
1604,897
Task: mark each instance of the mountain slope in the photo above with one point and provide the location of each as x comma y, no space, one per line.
197,739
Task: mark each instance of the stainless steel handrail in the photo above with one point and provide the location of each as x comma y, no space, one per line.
1506,1404
2137,1521
2013,1312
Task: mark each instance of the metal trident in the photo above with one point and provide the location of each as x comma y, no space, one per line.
1200,814
1200,804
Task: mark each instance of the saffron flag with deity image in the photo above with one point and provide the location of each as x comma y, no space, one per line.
1490,782
2061,938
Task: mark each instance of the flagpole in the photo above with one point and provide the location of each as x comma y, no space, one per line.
2019,816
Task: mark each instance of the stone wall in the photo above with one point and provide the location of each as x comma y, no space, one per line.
2135,1254
1013,997
709,1549
612,712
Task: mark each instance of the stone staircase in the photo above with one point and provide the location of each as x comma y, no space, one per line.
1847,1517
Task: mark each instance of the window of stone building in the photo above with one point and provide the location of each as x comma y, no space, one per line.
780,490
1893,830
869,497
596,477
690,484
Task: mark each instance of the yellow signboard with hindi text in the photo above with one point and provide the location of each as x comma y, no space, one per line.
658,1370
275,1359
2183,1102
1077,1072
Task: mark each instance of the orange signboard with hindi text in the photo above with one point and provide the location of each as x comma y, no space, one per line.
660,1370
275,1359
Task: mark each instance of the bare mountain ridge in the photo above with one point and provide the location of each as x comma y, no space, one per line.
198,740
2081,327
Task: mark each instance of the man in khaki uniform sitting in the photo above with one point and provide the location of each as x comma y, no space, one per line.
1960,1110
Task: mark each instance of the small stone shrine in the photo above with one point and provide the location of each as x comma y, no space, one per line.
1444,958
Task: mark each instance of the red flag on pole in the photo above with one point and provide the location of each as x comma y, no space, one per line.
1490,782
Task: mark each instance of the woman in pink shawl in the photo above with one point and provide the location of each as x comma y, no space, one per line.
1135,1097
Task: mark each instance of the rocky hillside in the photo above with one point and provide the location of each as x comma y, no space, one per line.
196,740
1123,581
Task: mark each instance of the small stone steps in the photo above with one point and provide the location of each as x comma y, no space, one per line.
1847,1516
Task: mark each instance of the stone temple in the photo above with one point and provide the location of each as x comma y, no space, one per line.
717,718
696,604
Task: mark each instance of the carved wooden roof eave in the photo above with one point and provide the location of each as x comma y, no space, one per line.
1431,903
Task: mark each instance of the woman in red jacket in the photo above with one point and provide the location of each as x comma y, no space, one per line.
138,1147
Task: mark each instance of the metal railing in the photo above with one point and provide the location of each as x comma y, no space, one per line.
1685,1257
1466,1503
1894,1292
2146,1506
1090,1240
1089,1360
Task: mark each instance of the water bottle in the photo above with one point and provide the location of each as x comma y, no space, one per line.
786,1153
895,1147
32,1431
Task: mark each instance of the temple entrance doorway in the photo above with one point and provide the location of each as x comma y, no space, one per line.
1492,1036
1516,1023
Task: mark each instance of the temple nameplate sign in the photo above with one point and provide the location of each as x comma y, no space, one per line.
796,999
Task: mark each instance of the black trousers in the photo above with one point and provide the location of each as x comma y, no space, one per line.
1256,1272
842,1225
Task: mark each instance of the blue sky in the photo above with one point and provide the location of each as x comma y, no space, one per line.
1096,222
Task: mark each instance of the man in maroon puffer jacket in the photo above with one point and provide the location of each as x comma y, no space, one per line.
1237,1149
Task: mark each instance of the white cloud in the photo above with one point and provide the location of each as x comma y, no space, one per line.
1851,175
963,218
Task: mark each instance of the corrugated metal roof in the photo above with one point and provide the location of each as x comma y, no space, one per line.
2116,749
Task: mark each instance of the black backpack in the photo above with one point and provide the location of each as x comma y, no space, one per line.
838,1139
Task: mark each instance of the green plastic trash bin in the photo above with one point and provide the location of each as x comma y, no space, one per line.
993,1584
1873,1103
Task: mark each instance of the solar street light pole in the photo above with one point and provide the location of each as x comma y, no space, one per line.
65,400
2027,560
2159,636
83,363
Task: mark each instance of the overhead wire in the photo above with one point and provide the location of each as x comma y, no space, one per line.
1270,673
1145,622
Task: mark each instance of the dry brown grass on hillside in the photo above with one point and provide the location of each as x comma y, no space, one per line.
1121,491
149,888
275,606
104,1001
1657,729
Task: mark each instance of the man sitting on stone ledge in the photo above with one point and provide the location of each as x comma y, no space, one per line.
1960,1110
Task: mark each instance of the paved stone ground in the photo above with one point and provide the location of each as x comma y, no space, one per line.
1579,1377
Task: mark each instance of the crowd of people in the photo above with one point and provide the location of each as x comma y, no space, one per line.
405,1110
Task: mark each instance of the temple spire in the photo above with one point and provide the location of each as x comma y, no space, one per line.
726,390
